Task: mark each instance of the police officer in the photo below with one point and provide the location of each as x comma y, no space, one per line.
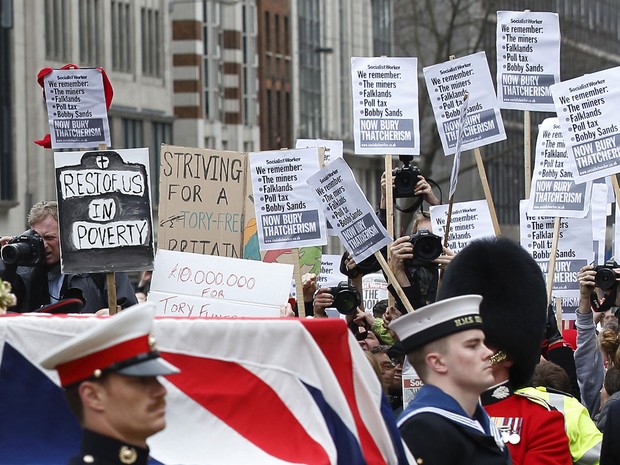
109,374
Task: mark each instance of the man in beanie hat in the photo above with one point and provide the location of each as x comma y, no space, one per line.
514,315
109,374
445,423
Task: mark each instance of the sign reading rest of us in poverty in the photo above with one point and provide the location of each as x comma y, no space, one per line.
574,251
528,59
447,83
554,192
469,221
587,108
205,286
348,211
385,106
201,200
104,210
287,214
76,108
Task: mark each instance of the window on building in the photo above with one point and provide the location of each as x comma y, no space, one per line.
133,133
90,32
161,133
56,30
250,63
7,188
310,70
122,37
382,27
151,42
212,65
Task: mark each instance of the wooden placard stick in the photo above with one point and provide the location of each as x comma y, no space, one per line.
614,183
554,249
389,212
392,280
558,312
299,286
487,191
527,152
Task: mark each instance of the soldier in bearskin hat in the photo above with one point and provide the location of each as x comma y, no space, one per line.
514,315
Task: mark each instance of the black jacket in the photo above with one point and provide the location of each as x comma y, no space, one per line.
97,449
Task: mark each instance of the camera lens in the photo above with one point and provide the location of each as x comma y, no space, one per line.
345,302
13,253
605,279
405,182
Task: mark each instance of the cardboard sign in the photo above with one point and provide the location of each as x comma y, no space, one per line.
528,59
588,113
385,105
447,83
469,221
201,201
104,210
195,285
554,192
76,108
348,211
287,215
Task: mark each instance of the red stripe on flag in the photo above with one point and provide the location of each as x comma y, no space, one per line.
248,405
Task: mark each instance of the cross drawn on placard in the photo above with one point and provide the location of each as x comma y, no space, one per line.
102,161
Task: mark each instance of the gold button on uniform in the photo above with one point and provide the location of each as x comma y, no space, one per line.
127,455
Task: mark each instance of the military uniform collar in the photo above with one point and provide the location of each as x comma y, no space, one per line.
96,447
497,393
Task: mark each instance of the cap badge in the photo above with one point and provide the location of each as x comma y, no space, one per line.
152,342
501,392
127,455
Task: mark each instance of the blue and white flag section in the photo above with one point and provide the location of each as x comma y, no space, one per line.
385,106
76,108
294,391
528,59
587,108
287,214
344,204
447,83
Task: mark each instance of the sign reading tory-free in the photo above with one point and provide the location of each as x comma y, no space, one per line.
588,111
76,108
104,210
447,83
554,192
201,201
287,215
385,105
348,211
528,59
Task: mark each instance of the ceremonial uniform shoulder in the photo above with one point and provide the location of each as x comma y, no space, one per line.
535,399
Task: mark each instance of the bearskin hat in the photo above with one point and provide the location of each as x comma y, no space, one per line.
514,304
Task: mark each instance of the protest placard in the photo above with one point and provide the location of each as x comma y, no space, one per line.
330,274
469,221
201,200
528,59
76,108
287,215
196,285
588,113
554,192
104,210
385,105
574,250
374,289
347,209
333,148
447,83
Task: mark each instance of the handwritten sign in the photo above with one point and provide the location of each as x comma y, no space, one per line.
201,201
528,59
554,192
348,211
76,108
287,215
385,105
447,83
469,221
104,210
195,285
588,113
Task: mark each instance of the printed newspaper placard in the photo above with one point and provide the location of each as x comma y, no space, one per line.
201,200
469,221
554,192
76,108
207,286
104,210
287,214
333,148
528,59
447,83
344,204
385,106
587,108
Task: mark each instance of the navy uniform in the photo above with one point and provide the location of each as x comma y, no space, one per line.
97,449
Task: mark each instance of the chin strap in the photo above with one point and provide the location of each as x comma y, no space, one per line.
498,357
605,303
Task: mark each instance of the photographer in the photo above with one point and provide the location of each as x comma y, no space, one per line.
40,282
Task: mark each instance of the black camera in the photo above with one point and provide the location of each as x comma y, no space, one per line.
405,179
605,277
346,298
27,249
426,248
